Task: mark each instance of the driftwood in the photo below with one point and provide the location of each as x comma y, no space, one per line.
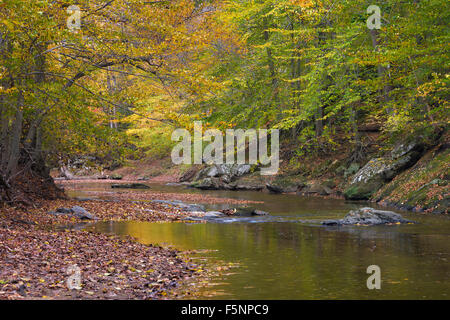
65,173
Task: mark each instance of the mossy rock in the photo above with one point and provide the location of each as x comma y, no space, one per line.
208,184
351,170
362,191
284,184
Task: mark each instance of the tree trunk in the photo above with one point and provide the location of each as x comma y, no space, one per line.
380,69
14,145
270,61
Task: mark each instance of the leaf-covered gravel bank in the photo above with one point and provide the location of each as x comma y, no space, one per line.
36,254
35,264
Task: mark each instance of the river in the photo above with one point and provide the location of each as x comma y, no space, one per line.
290,256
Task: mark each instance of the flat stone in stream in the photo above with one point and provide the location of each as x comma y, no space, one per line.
192,207
76,211
130,186
245,212
368,216
183,206
213,214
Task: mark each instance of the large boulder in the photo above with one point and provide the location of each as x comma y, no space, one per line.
230,170
226,173
213,171
201,174
368,216
220,177
209,184
238,170
378,171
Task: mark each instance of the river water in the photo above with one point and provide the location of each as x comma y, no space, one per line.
290,256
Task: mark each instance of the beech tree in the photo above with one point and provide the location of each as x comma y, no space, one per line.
53,95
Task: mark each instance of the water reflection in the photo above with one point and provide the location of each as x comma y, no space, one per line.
283,258
293,261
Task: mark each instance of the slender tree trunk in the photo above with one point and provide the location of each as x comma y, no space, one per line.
16,132
111,83
4,141
380,69
270,60
319,121
296,70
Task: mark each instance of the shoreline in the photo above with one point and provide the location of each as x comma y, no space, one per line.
115,269
336,194
35,255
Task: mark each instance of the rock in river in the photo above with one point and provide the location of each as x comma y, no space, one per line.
245,212
368,216
75,211
213,214
130,186
219,177
208,184
81,213
182,206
